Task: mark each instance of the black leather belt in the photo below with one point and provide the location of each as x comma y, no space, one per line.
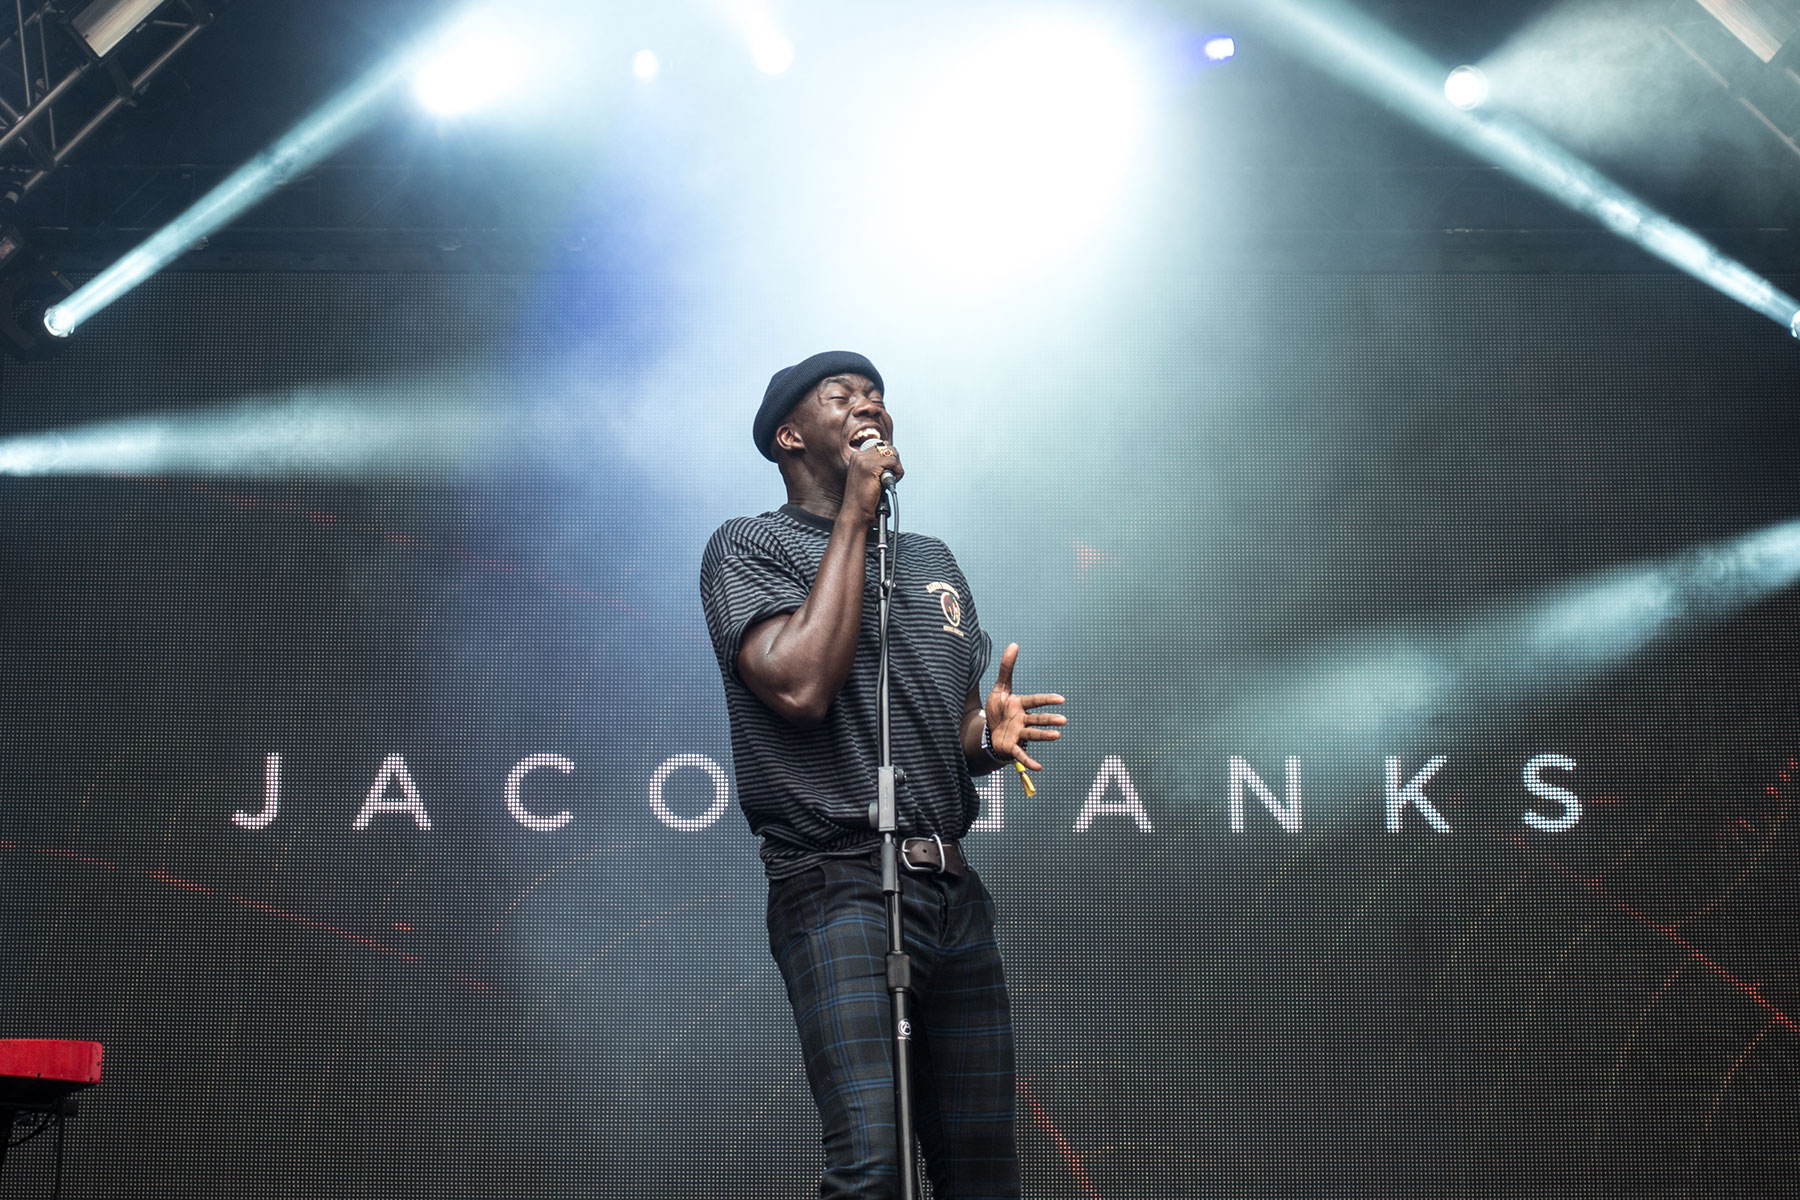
932,855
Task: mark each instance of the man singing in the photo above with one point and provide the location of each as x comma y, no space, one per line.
790,603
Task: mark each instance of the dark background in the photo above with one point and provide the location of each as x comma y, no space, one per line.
483,1010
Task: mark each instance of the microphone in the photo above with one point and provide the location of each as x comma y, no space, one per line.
887,477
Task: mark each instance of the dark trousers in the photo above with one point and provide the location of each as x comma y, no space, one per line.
828,932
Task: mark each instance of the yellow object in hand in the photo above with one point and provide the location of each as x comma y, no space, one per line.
1025,779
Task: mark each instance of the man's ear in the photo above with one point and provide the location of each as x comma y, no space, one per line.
787,437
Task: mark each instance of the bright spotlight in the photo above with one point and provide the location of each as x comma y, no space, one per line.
1022,150
1378,62
771,52
1219,49
57,323
1466,88
323,131
645,65
471,72
1794,325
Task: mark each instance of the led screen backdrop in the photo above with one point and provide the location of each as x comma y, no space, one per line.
1423,827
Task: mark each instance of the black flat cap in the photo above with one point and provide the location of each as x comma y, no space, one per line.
788,386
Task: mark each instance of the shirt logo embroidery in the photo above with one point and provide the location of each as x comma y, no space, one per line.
951,603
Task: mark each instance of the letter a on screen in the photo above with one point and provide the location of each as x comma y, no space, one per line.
393,770
1113,772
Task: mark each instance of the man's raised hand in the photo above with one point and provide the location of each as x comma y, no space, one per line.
1010,719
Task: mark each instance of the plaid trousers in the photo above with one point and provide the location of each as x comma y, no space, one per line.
828,933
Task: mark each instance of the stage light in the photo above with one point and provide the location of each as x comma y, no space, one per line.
1466,88
1372,59
1019,153
27,287
473,70
12,243
645,65
1386,691
771,51
1764,32
319,134
105,23
366,434
1219,49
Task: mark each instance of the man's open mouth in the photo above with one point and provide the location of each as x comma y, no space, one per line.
863,436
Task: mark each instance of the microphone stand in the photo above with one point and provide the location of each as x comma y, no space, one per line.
884,816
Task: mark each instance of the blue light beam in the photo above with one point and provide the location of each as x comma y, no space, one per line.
1390,690
319,134
341,433
1370,58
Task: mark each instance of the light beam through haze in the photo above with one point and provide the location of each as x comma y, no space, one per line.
1386,692
1363,54
323,131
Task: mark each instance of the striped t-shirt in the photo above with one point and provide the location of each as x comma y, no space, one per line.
806,792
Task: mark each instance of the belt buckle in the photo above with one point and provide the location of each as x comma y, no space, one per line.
943,861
